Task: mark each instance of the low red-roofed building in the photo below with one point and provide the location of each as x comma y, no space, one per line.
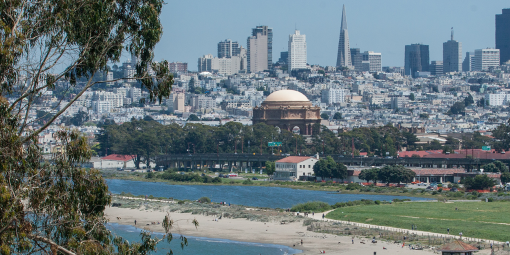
293,167
113,161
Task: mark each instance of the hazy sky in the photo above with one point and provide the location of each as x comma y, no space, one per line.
192,28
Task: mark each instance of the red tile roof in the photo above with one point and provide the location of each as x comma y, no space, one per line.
438,171
476,153
294,159
118,157
457,246
431,171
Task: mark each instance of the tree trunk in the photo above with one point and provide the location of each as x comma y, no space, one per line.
137,161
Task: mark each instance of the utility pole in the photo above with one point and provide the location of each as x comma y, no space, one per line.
353,147
242,144
272,140
296,145
323,147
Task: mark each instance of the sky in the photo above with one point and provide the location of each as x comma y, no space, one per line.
193,28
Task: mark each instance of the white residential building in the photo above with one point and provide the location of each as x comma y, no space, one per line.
135,94
116,100
223,66
293,167
202,102
101,107
497,99
176,102
297,51
486,58
334,96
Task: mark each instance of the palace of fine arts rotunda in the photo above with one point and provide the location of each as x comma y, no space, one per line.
287,109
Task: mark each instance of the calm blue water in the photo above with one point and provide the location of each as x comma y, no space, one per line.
259,196
200,245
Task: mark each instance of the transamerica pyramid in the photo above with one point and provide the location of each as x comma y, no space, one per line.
344,51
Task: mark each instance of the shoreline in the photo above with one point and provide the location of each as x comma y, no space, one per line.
244,230
327,189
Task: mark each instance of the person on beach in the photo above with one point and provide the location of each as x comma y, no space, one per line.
448,229
301,241
323,216
135,222
352,240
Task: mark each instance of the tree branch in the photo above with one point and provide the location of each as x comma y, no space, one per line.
50,242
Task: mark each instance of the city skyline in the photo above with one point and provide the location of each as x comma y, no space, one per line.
380,27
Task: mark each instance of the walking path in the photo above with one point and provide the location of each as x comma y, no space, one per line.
318,216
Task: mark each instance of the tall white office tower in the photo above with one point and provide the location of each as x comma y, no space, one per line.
452,56
344,52
297,51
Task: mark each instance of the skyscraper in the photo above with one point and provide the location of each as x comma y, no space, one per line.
228,49
469,63
297,51
260,49
436,68
416,59
452,56
371,62
344,55
503,35
356,59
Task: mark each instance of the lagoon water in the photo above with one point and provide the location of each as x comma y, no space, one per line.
259,196
200,245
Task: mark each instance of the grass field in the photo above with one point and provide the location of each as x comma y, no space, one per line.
473,219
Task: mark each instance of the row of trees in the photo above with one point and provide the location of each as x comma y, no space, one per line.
388,174
147,138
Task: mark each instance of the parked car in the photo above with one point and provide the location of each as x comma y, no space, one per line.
422,184
254,178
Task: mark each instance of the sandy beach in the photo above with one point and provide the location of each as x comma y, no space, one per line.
289,234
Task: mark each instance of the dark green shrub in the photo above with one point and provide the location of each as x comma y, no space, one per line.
434,192
353,186
377,202
247,182
316,206
204,200
458,194
490,199
149,175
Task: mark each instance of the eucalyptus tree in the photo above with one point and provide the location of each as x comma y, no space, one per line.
55,206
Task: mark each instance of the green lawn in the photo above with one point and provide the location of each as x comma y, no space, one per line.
473,219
